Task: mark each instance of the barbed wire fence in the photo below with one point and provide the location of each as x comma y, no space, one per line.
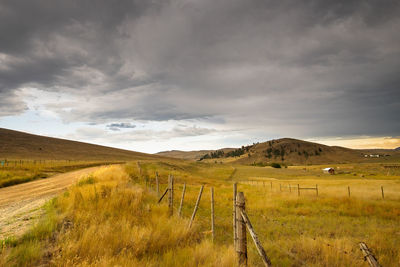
154,186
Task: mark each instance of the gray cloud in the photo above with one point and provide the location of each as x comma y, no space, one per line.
294,68
121,125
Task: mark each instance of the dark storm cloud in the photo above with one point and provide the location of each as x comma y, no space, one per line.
309,68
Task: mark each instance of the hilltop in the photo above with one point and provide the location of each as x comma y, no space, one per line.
289,151
20,145
189,155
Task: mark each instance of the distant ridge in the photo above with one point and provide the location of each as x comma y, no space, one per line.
288,151
20,145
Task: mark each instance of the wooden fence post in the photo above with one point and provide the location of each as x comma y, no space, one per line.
383,195
212,213
241,247
316,189
157,185
260,249
290,188
348,190
234,215
298,189
183,196
140,170
171,195
368,256
196,206
280,187
271,186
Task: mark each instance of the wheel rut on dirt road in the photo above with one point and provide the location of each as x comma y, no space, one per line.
21,204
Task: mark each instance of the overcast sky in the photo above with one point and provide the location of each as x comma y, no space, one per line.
160,75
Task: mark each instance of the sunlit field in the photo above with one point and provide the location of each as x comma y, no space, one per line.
112,217
18,171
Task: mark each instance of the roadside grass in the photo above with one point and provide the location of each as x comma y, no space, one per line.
22,171
112,221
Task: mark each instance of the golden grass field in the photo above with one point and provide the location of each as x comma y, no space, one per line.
112,218
19,171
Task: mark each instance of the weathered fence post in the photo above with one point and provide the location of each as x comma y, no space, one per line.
234,214
257,242
212,213
140,170
348,190
157,185
241,247
316,189
298,189
196,206
368,256
171,195
383,195
183,196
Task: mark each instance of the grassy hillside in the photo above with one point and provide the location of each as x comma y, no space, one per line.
19,145
189,155
291,152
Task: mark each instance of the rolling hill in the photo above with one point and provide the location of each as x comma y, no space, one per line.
289,151
189,155
20,145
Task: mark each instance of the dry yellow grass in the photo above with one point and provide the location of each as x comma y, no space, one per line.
111,219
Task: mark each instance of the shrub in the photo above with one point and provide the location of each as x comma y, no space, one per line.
275,165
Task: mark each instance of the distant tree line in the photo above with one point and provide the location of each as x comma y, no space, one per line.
221,154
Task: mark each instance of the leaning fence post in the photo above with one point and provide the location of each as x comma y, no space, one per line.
241,247
368,256
383,195
234,214
183,196
260,249
157,185
212,213
196,206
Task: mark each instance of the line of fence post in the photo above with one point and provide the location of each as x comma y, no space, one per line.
183,196
241,246
212,213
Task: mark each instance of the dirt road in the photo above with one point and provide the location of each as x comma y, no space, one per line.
20,204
